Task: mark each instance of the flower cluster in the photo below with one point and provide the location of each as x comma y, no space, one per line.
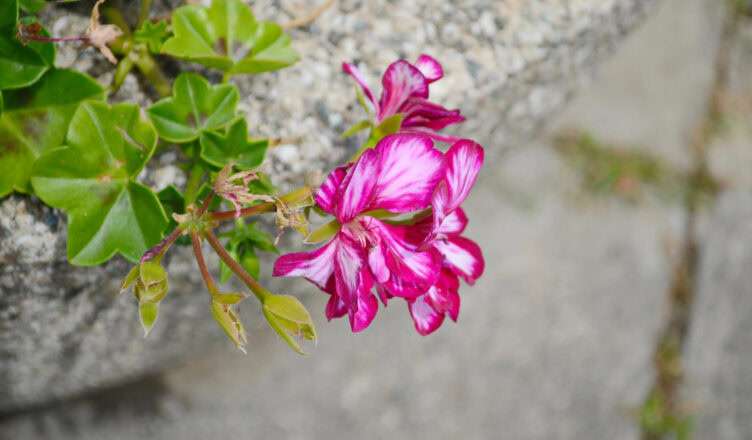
406,93
419,259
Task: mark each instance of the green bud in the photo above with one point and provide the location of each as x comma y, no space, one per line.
148,313
230,323
288,318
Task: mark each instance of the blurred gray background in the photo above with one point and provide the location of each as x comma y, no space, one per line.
616,302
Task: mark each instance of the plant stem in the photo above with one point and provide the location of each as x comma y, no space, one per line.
158,250
194,180
234,266
226,77
306,19
144,13
124,67
205,205
54,39
150,69
245,212
115,17
202,264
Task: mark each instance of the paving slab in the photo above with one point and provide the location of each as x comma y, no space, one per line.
554,341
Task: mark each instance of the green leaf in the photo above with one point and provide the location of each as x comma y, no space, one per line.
195,107
226,37
92,179
233,146
389,126
21,65
152,34
32,6
323,232
358,126
35,120
148,314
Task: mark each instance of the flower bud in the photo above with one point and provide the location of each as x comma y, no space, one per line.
287,317
230,323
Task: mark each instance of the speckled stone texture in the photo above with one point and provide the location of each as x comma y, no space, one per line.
508,65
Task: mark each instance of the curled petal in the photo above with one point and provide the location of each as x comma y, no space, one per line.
401,82
426,318
420,112
367,306
463,162
335,307
410,168
325,195
355,192
463,257
444,296
350,69
430,68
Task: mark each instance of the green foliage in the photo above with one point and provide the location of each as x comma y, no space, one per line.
32,6
233,146
194,108
92,178
226,37
35,120
242,244
153,35
21,65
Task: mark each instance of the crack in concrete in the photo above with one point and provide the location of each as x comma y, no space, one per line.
663,412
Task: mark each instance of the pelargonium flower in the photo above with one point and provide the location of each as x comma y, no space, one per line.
406,91
399,175
462,258
420,261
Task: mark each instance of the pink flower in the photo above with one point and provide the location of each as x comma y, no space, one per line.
406,91
420,262
399,175
461,257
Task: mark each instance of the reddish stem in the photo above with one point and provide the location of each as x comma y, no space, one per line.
161,247
234,266
205,205
202,264
52,40
245,212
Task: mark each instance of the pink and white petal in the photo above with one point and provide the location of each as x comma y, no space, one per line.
350,69
463,257
383,294
443,295
367,306
430,68
463,162
401,81
427,110
431,124
410,168
454,312
433,134
325,196
335,308
316,266
349,262
426,318
453,224
377,264
356,190
411,272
